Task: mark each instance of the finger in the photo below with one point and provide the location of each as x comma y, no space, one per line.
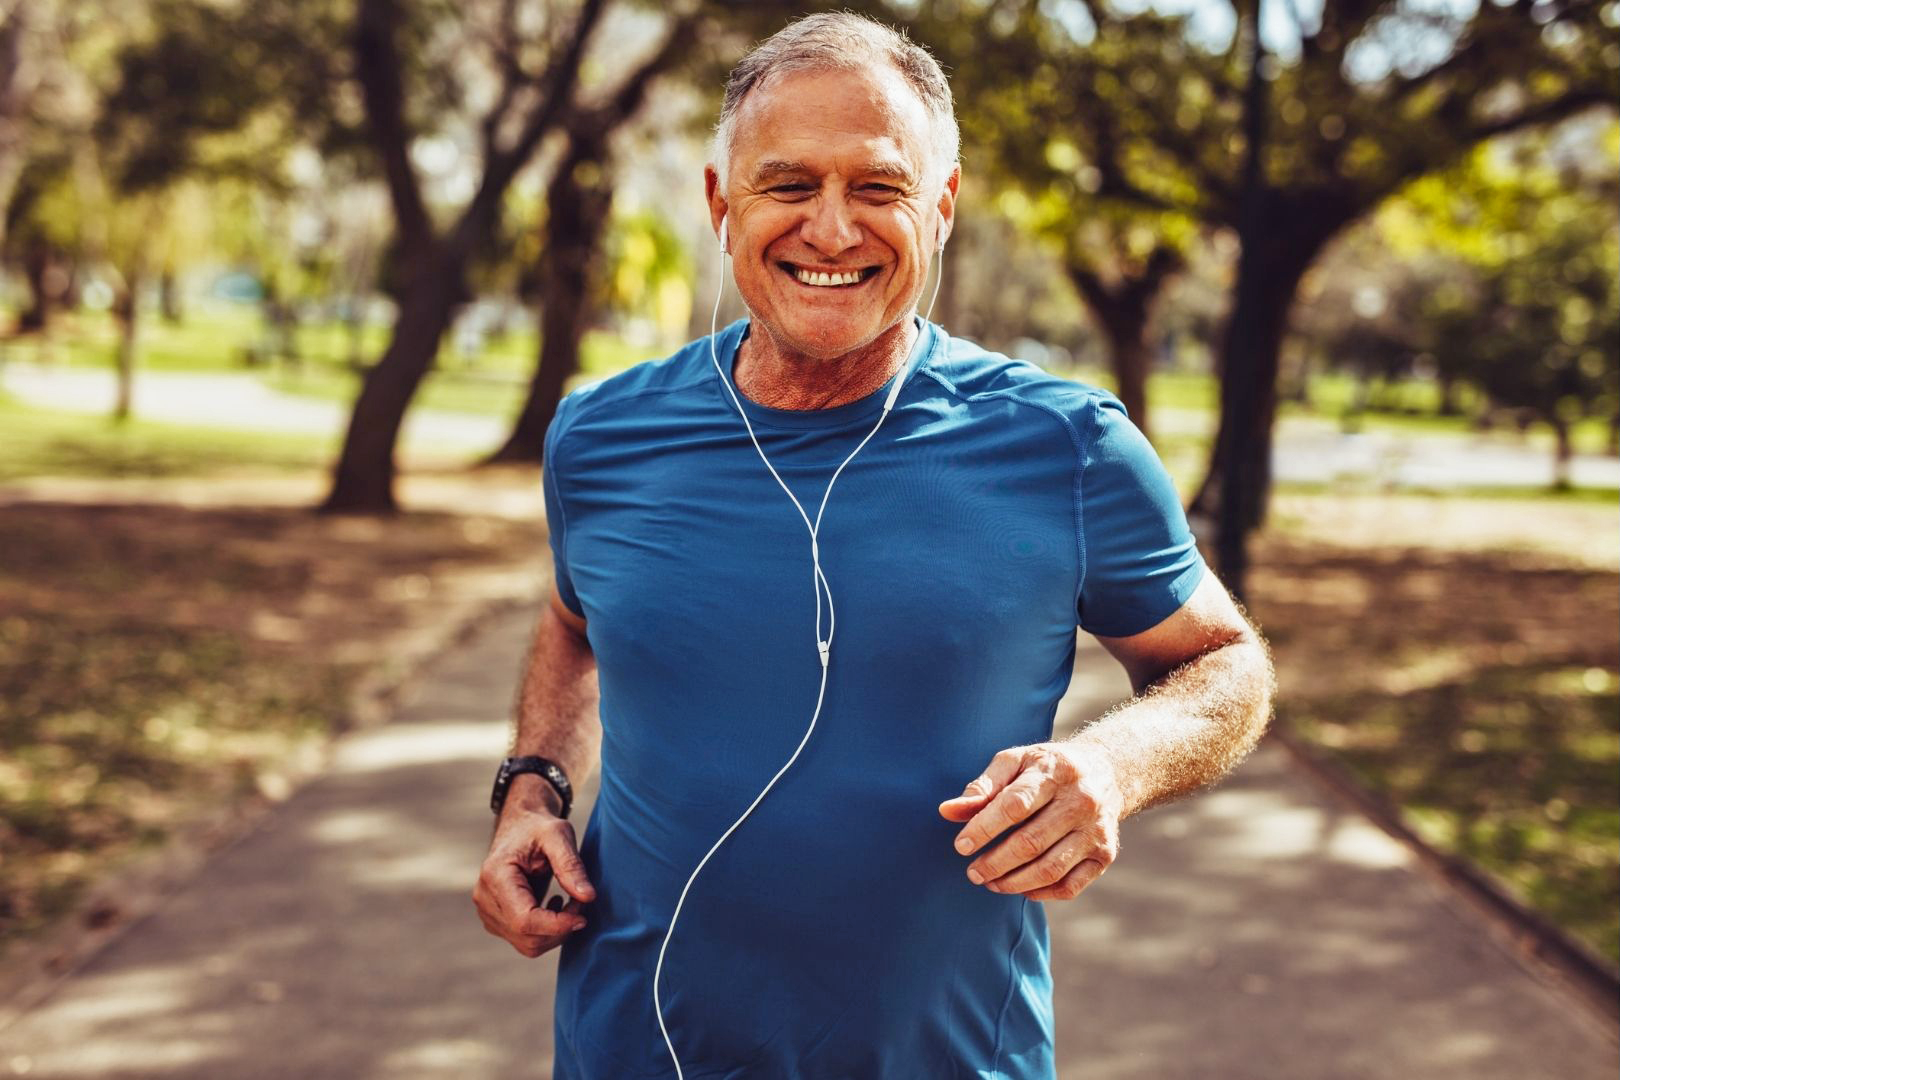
1016,803
999,773
1052,824
557,845
504,893
1072,885
963,807
537,922
1050,866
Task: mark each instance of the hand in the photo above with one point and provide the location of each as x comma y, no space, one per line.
1066,802
530,843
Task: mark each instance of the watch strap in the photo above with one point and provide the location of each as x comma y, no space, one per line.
552,773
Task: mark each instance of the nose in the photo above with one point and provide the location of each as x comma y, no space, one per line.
830,227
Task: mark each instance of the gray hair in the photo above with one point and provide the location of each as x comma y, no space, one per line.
841,40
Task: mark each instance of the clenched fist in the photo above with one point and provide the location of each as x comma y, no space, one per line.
528,845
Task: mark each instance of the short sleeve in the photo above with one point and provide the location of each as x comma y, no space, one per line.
556,509
1142,564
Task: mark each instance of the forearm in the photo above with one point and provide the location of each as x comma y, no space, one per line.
557,714
1186,729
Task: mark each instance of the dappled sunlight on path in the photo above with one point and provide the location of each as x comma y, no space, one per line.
1263,930
1257,931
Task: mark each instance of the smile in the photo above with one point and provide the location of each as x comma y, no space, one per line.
833,279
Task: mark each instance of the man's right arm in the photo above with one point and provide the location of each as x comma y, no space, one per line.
556,718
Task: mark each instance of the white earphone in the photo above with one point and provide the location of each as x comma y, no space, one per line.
822,593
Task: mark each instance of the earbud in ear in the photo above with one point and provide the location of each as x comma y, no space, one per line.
940,235
723,234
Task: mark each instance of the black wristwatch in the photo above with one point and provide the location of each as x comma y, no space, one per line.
553,774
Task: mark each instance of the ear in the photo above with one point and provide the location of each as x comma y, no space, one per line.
949,195
716,206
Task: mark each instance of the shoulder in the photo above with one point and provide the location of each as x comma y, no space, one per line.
982,377
681,371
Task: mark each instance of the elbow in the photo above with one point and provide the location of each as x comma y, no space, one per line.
1261,686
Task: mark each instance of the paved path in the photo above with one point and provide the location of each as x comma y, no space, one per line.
1256,931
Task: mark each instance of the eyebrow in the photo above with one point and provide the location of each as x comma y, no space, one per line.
770,169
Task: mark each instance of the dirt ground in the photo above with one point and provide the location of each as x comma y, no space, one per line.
158,661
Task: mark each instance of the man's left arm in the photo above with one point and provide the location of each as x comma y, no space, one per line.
1203,682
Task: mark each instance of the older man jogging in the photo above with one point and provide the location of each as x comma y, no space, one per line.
822,573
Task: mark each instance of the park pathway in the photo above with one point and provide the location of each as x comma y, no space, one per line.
1260,930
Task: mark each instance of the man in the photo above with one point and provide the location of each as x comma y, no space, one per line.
926,615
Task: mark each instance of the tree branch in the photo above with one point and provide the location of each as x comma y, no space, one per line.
377,67
624,101
1551,112
557,94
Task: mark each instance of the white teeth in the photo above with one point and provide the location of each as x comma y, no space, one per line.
809,277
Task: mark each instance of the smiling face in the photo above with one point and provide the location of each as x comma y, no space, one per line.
832,206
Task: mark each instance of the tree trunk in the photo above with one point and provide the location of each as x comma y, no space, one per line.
363,477
170,297
576,221
1278,245
1122,315
1562,453
39,298
1131,359
126,312
1234,494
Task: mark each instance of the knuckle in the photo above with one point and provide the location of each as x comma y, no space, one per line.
1027,845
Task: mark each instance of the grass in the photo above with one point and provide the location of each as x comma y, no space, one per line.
438,391
1476,688
1516,769
41,442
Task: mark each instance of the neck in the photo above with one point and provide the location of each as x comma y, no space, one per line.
771,375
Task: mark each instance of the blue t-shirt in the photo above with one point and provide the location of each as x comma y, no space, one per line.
835,934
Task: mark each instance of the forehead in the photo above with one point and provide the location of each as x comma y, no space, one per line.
825,116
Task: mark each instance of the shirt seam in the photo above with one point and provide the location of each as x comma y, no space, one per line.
1080,462
564,424
1013,981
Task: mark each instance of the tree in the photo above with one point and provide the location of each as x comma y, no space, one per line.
579,199
1287,146
433,261
1377,93
1048,107
1538,326
23,38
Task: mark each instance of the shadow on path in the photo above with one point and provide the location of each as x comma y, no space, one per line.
1257,931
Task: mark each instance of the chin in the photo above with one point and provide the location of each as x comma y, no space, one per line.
825,338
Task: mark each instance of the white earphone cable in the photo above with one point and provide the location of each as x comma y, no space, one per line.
822,641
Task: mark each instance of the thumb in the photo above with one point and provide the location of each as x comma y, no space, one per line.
568,870
962,807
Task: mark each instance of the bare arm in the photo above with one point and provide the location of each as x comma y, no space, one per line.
1202,681
556,718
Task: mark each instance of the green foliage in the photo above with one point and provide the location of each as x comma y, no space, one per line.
1499,277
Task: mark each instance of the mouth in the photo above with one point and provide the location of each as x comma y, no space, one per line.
847,278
